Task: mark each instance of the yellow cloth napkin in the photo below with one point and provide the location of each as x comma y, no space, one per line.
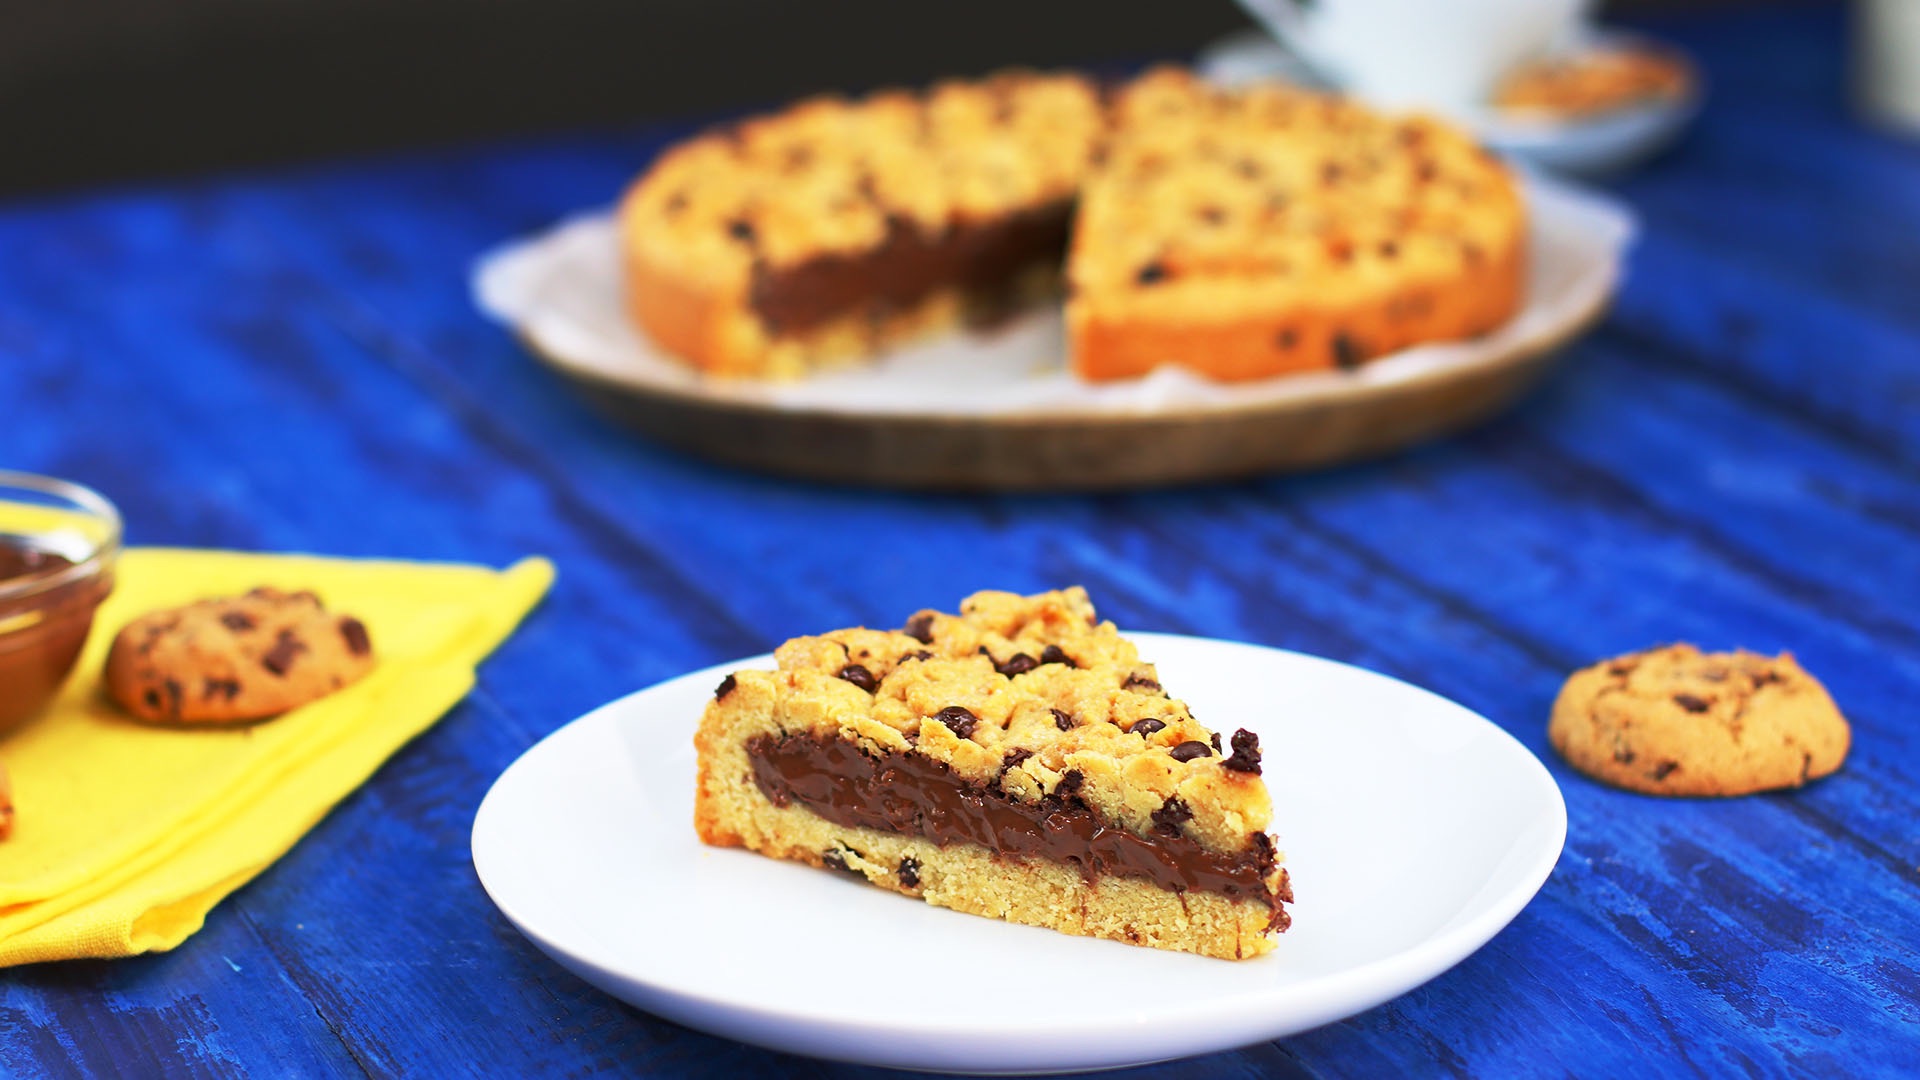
126,835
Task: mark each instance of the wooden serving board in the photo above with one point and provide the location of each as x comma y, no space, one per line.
1075,451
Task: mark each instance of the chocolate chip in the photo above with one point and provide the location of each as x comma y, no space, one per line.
917,654
1623,755
958,719
1286,339
1664,770
280,657
1147,726
354,632
1691,703
1070,783
910,872
1246,753
1053,654
1017,664
1151,274
152,698
1189,750
726,687
1062,720
1346,353
741,231
860,677
173,696
1014,758
1167,819
237,621
920,628
1216,742
837,861
1140,682
222,688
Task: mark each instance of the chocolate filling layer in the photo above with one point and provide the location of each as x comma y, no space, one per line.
909,265
909,793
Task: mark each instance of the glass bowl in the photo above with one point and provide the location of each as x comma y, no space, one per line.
58,545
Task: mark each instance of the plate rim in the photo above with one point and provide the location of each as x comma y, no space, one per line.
1325,1000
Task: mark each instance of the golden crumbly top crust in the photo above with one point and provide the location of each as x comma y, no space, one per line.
825,176
1594,82
1215,202
1051,695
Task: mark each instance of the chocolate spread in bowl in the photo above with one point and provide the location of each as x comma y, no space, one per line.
41,629
914,795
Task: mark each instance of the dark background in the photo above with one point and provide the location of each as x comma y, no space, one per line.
101,90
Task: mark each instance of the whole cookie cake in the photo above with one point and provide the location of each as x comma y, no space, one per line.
1238,233
1017,760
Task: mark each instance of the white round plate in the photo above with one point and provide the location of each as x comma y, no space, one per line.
1413,829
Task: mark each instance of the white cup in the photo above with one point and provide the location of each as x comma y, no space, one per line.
1886,58
1437,54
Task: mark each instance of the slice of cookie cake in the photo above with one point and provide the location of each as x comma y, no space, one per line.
1017,760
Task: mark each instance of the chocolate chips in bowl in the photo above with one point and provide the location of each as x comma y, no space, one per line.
58,545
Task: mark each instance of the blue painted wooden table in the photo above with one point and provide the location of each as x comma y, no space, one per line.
290,361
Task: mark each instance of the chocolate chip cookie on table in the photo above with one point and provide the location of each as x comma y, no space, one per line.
1677,721
235,659
1017,760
